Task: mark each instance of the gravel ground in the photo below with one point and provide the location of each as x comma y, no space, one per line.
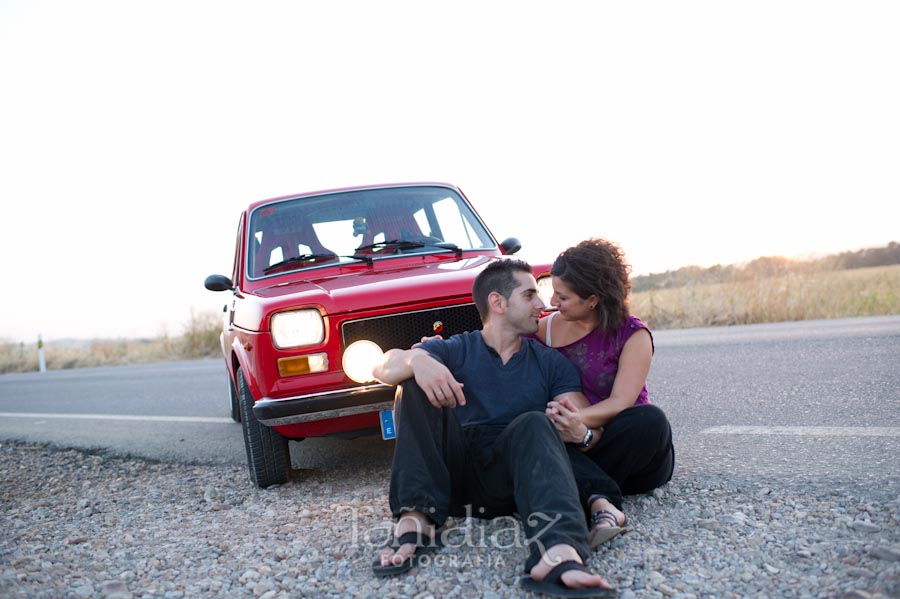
80,525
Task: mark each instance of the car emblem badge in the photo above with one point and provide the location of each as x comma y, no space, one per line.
438,327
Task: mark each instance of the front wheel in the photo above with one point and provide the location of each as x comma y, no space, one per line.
268,456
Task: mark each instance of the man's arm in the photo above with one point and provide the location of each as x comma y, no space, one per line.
395,367
435,379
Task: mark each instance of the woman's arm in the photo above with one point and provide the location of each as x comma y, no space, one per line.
634,365
564,413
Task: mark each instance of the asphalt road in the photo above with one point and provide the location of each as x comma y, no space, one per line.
814,399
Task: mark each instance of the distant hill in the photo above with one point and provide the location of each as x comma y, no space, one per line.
766,266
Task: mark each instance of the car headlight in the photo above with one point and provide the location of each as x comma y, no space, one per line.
297,328
360,358
545,289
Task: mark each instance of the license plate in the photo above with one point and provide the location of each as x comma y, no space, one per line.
387,425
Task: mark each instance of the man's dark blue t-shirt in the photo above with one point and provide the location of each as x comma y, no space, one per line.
495,392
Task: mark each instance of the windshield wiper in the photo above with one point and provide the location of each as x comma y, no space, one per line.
401,244
405,244
451,247
301,258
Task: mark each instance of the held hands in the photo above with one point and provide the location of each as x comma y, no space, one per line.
435,379
565,417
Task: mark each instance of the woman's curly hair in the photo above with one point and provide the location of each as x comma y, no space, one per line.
597,266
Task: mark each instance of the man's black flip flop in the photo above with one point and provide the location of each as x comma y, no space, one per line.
553,585
424,545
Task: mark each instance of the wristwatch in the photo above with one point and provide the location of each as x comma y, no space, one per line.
588,437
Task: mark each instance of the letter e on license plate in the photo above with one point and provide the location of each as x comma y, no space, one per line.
387,425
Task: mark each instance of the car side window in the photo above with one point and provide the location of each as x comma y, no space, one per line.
454,225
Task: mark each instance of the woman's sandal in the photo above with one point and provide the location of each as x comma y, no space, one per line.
607,533
553,585
424,545
598,536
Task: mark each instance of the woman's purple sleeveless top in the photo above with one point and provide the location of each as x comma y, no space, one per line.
597,357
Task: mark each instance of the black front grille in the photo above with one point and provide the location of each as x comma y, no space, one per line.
403,330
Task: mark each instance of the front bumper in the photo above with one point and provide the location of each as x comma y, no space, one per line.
323,406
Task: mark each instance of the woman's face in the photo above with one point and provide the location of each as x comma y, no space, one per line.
569,304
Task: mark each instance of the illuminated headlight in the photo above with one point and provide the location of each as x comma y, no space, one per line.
297,328
360,358
545,290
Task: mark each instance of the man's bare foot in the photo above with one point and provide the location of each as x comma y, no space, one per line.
408,522
574,579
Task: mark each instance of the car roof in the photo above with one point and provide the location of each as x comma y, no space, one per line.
258,203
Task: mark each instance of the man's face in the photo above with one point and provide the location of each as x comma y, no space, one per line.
524,306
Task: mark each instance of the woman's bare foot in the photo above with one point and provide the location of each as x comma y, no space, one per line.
607,521
408,522
574,579
603,504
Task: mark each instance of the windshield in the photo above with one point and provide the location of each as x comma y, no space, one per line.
367,225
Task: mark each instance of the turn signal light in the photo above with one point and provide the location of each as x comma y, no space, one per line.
298,365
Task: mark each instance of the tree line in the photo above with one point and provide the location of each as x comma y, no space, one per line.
767,266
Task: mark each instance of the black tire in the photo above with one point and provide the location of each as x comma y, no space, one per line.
268,457
235,404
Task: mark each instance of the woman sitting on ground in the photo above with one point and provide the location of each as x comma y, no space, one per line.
621,444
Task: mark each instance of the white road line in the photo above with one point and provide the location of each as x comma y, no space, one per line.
122,417
806,431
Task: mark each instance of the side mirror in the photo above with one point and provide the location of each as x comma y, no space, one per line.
218,283
510,246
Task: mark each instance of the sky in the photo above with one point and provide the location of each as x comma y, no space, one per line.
133,133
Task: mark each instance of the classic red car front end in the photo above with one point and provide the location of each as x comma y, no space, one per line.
322,284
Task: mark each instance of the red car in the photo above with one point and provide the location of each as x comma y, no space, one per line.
322,284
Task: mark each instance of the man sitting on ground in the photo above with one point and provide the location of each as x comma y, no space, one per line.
472,431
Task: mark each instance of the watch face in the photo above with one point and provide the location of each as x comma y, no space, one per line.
588,437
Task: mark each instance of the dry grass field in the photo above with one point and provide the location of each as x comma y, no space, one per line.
792,296
200,339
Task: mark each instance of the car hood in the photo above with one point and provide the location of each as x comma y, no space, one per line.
382,285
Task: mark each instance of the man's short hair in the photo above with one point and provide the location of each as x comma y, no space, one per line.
498,276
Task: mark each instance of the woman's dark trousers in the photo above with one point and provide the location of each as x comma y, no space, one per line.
634,455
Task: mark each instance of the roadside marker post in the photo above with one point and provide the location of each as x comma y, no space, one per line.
42,362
